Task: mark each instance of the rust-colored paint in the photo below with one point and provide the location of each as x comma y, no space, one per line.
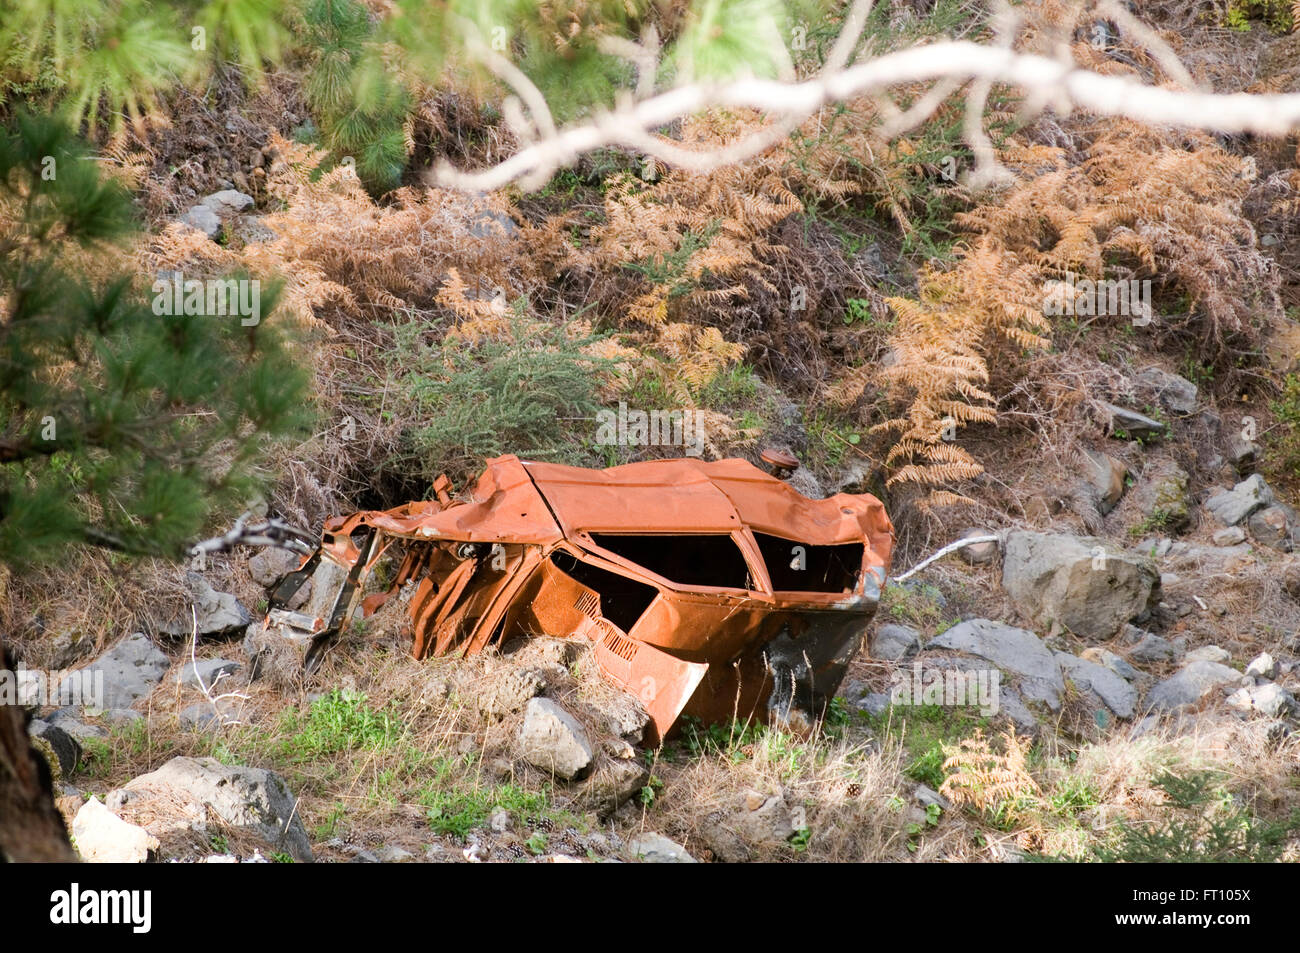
544,549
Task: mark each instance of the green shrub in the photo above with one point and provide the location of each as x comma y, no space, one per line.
525,395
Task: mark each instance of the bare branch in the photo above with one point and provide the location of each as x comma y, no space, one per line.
272,532
1049,81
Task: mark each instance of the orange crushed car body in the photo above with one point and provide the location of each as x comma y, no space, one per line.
710,589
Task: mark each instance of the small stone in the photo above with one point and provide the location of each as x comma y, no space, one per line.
652,848
1262,666
551,739
1230,536
1209,653
1271,527
1108,659
1152,648
874,703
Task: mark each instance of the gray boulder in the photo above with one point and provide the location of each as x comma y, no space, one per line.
1104,475
1116,693
202,218
69,720
551,739
1271,527
893,642
66,748
1077,583
271,564
1171,391
130,670
1012,650
227,202
1130,422
1191,684
1161,495
1230,507
652,848
190,792
216,614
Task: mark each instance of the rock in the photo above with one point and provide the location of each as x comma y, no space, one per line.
186,792
208,670
66,748
509,689
1104,475
1076,582
926,796
1242,454
893,642
104,838
202,218
624,714
1230,536
875,703
1130,423
1152,648
271,564
1173,392
1270,700
69,721
198,715
612,783
227,202
218,613
389,854
1013,650
1161,495
1191,684
1208,653
762,821
551,739
1108,659
1230,507
1116,693
1271,527
1262,666
130,670
652,848
979,554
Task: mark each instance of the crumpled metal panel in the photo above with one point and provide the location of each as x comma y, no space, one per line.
491,567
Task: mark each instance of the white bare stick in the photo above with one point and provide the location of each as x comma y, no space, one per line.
950,548
1050,80
215,702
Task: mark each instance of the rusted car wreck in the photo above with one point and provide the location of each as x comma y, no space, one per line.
712,589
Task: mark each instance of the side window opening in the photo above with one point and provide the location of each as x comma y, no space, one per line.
622,600
688,559
802,567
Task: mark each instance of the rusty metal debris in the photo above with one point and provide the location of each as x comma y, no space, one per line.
711,589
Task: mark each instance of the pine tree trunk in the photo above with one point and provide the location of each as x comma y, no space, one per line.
31,829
